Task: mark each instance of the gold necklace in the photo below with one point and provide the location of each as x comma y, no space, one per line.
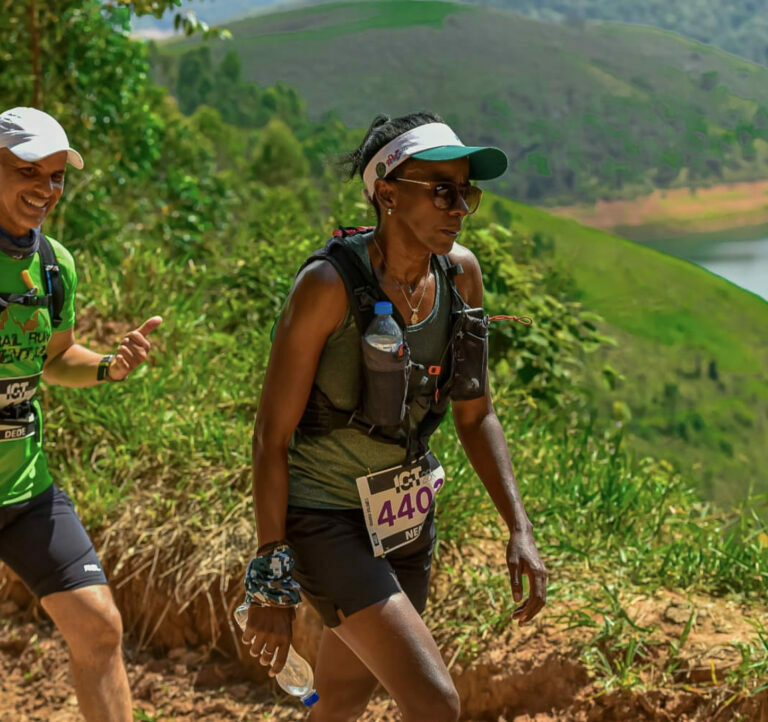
414,309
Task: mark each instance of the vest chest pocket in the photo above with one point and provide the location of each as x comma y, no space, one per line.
469,355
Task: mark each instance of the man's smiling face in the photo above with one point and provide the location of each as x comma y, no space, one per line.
29,191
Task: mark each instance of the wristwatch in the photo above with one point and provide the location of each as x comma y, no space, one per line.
102,373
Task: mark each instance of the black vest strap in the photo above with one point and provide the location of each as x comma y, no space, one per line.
52,281
363,291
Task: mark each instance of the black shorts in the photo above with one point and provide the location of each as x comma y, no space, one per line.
44,542
336,568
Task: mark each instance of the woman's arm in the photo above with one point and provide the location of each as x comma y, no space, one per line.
483,439
316,306
70,364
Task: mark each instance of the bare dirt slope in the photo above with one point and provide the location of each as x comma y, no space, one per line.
531,675
677,212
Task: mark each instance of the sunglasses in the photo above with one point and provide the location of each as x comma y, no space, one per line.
446,194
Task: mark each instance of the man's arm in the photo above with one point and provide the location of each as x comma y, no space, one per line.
70,364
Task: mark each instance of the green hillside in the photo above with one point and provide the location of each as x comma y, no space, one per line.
686,375
601,110
738,26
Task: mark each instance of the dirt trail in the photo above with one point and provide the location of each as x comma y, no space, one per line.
530,675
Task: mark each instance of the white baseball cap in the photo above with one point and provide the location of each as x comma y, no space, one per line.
31,134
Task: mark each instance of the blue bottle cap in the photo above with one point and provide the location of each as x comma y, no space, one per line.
383,308
311,698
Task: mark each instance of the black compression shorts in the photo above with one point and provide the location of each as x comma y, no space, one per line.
336,568
44,542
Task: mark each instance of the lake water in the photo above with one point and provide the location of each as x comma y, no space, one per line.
744,263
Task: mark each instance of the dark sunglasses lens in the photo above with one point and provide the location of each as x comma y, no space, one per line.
447,196
472,196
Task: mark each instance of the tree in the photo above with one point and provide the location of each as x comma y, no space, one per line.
278,157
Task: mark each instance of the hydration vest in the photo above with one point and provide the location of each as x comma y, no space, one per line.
460,375
21,416
53,286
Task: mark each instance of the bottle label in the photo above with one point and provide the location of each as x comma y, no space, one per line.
396,501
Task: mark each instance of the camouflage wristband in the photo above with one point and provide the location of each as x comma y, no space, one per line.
268,581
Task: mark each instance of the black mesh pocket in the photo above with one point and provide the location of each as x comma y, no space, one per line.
469,355
385,384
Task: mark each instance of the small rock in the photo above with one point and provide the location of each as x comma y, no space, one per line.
677,614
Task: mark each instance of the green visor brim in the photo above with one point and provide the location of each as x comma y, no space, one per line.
485,163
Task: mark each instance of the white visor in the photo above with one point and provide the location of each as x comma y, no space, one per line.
397,151
32,135
433,142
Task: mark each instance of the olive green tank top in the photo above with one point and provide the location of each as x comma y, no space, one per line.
322,468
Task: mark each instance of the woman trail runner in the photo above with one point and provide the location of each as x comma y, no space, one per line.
345,505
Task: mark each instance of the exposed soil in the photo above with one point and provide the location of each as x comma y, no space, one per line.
529,675
678,212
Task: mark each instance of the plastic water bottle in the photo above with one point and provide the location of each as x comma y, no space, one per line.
296,676
383,333
385,369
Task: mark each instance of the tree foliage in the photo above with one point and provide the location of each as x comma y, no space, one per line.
77,62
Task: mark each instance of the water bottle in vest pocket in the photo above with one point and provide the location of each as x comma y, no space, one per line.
386,369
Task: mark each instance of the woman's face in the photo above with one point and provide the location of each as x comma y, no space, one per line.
413,207
29,191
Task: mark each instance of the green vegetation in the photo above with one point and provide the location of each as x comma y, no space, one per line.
190,217
738,27
686,365
585,112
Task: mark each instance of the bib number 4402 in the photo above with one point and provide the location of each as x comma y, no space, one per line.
412,500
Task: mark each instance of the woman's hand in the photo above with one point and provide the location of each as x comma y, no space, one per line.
133,350
523,558
268,632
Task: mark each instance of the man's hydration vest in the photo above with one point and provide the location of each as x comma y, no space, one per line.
460,375
20,416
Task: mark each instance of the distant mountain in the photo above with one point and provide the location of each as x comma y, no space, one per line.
585,111
213,12
737,26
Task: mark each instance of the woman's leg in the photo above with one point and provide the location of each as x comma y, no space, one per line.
393,644
343,682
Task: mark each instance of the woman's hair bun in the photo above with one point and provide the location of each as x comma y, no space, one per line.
383,129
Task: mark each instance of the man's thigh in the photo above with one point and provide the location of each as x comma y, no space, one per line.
45,543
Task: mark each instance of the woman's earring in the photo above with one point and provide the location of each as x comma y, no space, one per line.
389,211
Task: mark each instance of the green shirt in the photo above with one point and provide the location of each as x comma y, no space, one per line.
322,469
25,332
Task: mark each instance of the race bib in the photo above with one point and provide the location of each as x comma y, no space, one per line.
17,424
18,430
16,390
396,501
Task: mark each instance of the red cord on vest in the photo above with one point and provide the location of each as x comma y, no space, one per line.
525,320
